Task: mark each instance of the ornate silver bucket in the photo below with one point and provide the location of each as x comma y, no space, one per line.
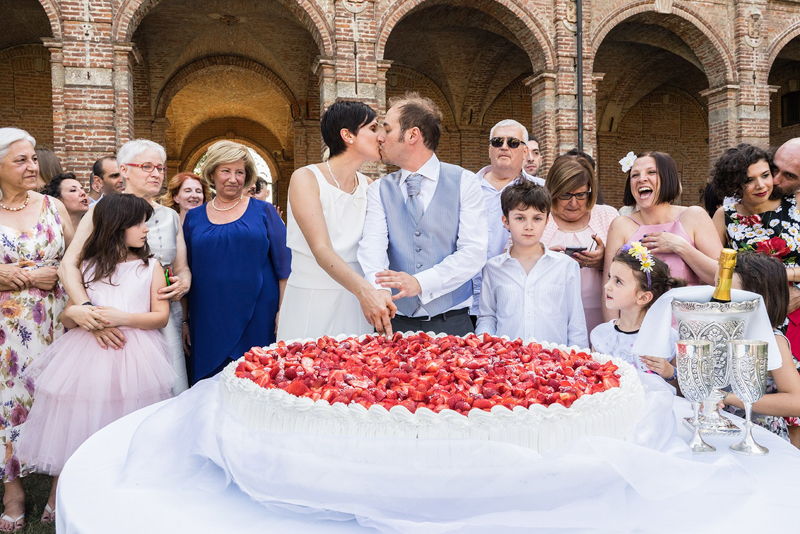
719,323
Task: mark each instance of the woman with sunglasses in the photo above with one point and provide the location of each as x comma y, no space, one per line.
679,236
142,165
579,227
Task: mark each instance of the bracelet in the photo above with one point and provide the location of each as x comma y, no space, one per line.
87,303
186,321
674,374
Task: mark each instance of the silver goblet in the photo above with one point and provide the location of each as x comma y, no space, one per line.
718,322
695,362
749,382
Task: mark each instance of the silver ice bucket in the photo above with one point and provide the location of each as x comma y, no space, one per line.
719,323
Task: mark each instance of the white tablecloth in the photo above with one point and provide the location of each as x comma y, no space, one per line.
667,490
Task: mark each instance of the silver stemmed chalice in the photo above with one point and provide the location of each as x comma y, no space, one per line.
749,382
695,362
718,322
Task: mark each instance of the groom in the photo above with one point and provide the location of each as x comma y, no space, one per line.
425,234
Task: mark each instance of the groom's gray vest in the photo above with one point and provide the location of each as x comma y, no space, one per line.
414,248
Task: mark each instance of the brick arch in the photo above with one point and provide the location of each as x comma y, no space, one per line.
201,67
54,16
131,12
785,37
525,26
707,44
524,110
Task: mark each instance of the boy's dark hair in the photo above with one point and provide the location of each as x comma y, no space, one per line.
524,194
710,199
670,188
419,112
766,276
347,114
106,247
729,176
660,279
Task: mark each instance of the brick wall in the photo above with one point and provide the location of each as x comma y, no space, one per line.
185,71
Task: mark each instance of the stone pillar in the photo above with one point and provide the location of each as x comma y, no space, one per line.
722,125
752,110
59,116
325,71
123,93
543,120
380,87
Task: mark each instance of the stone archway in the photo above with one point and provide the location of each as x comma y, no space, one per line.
784,82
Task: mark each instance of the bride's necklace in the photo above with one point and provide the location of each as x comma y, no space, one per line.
355,184
214,205
24,204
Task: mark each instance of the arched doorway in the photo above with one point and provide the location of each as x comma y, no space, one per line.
228,70
653,72
784,79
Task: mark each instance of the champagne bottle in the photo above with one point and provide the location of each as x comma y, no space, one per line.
727,261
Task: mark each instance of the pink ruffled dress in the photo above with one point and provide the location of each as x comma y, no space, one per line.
81,387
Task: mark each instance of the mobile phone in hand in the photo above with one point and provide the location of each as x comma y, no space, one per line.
569,251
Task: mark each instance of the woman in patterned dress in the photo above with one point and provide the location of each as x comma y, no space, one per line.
760,220
35,231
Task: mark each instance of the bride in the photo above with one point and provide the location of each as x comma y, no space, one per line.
326,293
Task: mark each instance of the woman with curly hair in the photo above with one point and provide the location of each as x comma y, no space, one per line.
760,219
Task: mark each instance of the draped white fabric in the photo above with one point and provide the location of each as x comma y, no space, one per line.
183,457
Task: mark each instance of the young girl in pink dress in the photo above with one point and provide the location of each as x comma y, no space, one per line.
81,387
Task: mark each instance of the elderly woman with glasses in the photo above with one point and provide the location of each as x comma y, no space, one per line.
579,227
141,163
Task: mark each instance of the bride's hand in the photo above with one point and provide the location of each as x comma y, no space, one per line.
378,309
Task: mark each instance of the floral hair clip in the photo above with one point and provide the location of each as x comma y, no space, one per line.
640,252
627,161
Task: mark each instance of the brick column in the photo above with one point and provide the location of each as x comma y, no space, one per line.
722,126
753,69
543,120
88,90
356,64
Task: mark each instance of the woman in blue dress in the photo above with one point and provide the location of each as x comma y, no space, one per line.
236,247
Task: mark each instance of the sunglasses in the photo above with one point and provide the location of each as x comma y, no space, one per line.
583,195
512,142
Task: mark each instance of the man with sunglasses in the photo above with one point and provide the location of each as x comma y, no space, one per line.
425,232
508,151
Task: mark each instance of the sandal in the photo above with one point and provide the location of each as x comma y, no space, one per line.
19,522
49,514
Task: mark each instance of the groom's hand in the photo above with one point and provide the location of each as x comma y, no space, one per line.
403,282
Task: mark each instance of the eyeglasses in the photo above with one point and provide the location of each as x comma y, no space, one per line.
583,195
148,167
512,142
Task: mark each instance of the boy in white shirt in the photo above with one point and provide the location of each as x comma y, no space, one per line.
529,291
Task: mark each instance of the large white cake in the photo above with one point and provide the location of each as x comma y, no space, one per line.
478,387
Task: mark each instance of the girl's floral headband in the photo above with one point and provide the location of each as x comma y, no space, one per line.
627,161
640,252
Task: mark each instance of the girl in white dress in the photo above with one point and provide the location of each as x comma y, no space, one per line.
636,280
326,293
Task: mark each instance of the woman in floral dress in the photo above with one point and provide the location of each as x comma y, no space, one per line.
759,221
34,232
